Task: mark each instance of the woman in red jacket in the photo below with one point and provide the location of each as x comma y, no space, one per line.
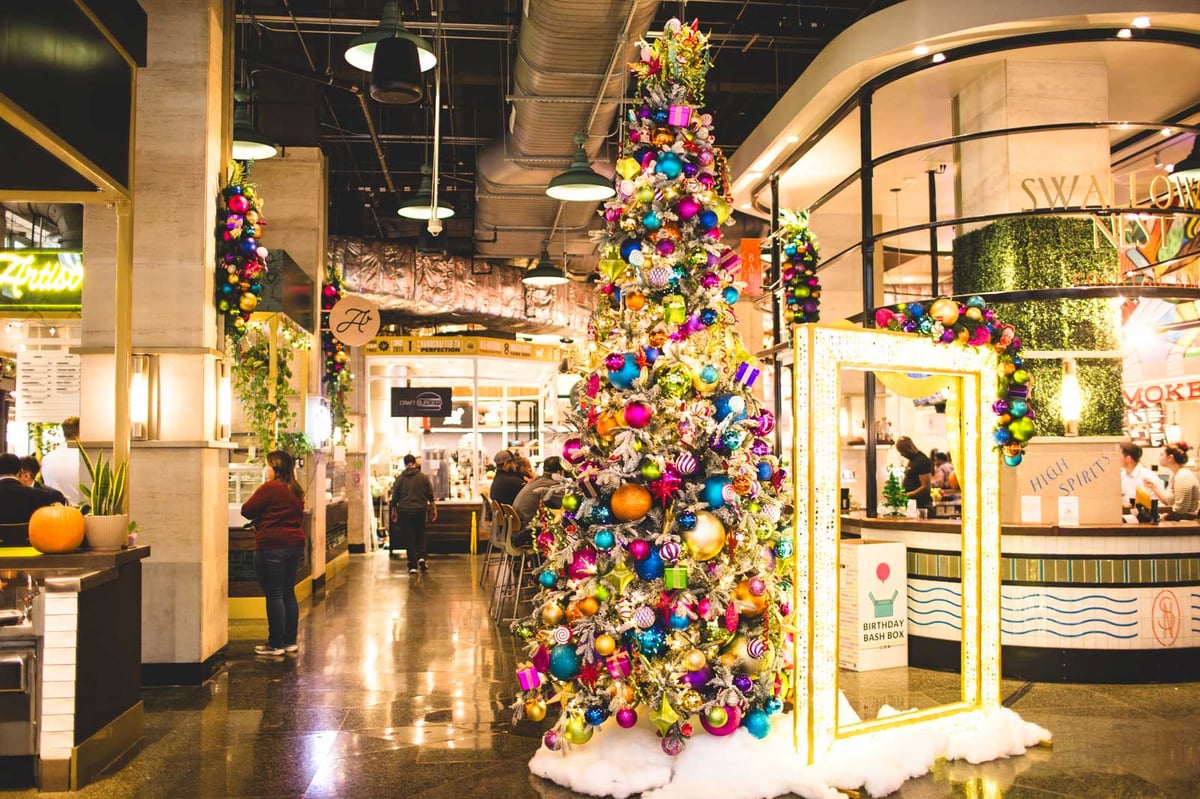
276,509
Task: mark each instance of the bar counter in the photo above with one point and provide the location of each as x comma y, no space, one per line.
1095,603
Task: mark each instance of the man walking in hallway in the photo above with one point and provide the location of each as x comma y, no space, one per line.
412,495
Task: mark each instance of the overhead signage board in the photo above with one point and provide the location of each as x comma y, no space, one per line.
462,345
41,280
421,402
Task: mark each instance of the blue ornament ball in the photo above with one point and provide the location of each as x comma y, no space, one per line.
652,354
1018,408
649,567
248,246
789,250
765,470
708,219
226,288
1012,460
709,374
659,115
629,371
680,621
976,302
708,316
234,189
1001,435
783,548
686,520
651,221
757,723
652,641
564,662
547,579
713,491
669,165
730,295
599,514
732,439
604,539
773,705
629,246
595,715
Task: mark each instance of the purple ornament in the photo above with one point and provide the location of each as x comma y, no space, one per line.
706,180
639,548
583,564
626,717
670,551
666,247
710,280
551,740
705,157
671,745
757,586
574,451
743,682
766,422
698,679
687,207
690,169
614,361
1000,407
612,214
760,447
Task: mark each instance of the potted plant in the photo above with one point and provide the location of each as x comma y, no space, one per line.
106,528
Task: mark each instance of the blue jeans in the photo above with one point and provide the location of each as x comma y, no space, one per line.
276,570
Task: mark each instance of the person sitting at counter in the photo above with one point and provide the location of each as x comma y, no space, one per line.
28,477
17,503
546,489
943,472
1133,473
507,483
1182,493
918,474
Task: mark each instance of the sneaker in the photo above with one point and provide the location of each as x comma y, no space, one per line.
291,648
267,649
423,565
413,570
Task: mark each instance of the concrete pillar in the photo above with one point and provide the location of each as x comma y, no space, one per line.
1014,94
178,480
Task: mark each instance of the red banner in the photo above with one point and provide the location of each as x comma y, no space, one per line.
753,266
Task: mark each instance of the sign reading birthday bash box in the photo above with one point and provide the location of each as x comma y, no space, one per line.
1088,468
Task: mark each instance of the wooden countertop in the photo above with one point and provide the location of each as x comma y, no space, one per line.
855,524
25,558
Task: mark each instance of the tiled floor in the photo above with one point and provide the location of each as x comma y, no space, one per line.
401,685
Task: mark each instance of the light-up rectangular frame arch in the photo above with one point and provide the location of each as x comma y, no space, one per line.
820,353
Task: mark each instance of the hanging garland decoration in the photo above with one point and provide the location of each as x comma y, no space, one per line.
974,324
801,287
264,402
241,258
338,379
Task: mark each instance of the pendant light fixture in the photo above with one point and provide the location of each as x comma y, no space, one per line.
420,205
545,273
361,50
580,183
1189,168
248,143
395,73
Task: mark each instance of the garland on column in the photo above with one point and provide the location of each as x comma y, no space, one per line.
665,584
338,379
241,258
264,402
801,288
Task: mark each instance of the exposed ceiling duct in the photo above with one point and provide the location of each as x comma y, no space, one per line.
67,218
571,67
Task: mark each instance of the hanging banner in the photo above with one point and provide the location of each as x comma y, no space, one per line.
753,266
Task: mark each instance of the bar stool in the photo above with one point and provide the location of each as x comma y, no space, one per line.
510,580
495,519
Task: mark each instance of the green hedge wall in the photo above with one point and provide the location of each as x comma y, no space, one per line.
1045,252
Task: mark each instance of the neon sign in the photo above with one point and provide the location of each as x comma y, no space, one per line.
41,280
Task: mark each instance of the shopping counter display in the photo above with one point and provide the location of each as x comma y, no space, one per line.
1095,603
70,661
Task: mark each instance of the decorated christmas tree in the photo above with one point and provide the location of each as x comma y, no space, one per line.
665,583
894,497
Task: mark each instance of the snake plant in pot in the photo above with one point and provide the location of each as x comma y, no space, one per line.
106,527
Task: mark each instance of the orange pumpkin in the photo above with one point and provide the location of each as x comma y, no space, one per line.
56,528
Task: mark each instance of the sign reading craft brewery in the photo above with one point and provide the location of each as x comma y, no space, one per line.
420,402
354,321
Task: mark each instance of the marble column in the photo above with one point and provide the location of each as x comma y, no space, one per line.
178,478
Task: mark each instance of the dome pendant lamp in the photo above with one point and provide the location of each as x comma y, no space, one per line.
396,72
361,50
418,206
248,143
580,183
545,273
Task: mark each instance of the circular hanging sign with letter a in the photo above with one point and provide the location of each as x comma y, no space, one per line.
353,321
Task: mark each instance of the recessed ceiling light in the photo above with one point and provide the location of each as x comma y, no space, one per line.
753,175
745,206
920,49
1141,22
1166,131
939,58
1124,33
908,279
793,139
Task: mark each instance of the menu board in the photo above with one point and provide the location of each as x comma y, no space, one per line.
1146,424
47,386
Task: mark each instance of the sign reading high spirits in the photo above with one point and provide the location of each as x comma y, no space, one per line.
41,280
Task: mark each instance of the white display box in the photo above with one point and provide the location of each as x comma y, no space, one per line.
872,606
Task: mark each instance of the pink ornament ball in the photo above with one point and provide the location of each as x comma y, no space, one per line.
574,450
687,207
757,586
666,247
766,423
552,741
638,414
626,717
705,157
583,564
238,204
733,719
639,548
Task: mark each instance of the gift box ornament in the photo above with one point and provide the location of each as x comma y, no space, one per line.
529,678
679,115
745,374
619,666
675,576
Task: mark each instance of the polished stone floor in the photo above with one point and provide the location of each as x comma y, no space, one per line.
401,683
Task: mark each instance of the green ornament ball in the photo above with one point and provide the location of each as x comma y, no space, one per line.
650,470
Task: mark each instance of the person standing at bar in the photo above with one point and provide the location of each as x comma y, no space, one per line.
1133,473
277,510
60,466
918,474
1182,494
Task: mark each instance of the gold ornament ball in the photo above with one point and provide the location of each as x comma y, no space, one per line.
578,731
691,701
663,137
248,302
234,279
535,710
706,540
606,424
694,660
645,194
944,311
630,502
341,356
741,485
635,301
748,604
741,659
605,645
552,614
974,314
588,606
